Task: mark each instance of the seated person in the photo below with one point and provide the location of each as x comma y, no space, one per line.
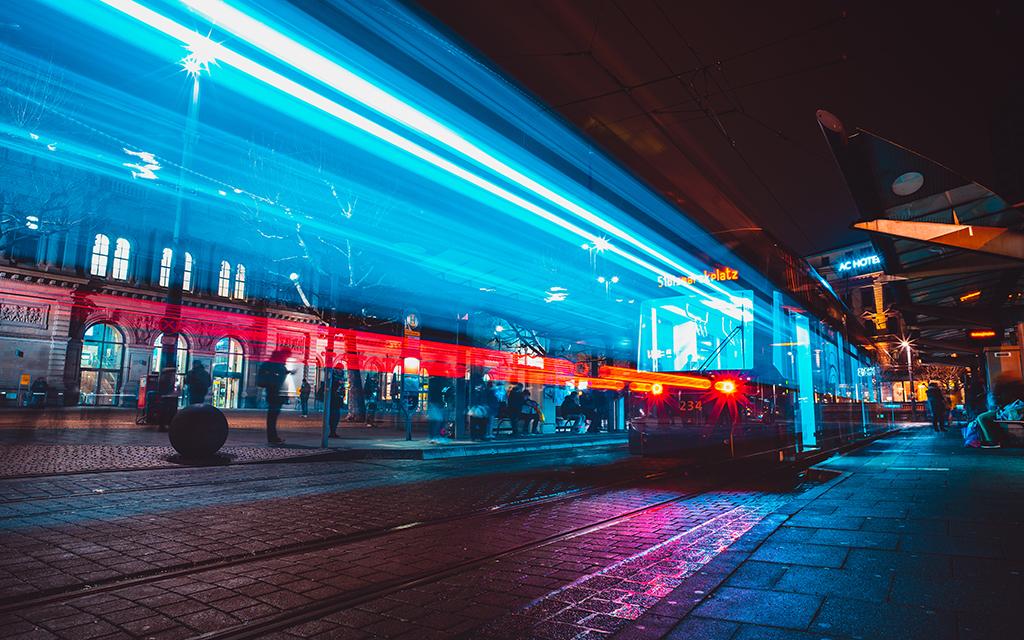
531,415
572,411
1007,389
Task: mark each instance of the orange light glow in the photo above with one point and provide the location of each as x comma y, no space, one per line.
970,296
725,386
983,334
656,388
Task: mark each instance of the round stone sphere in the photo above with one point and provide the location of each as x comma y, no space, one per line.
198,431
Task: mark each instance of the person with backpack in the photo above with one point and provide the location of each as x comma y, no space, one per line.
270,376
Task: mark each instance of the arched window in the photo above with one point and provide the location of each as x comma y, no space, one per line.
165,267
100,366
228,367
181,355
100,255
239,281
224,279
119,269
186,280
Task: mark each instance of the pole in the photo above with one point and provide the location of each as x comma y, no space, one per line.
913,392
328,402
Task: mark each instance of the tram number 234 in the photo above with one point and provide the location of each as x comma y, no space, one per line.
691,405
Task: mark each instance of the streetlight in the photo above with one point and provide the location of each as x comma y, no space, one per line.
906,343
607,282
200,56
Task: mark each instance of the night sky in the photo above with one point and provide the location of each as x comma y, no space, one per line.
719,114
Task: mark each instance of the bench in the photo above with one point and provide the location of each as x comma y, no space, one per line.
1014,431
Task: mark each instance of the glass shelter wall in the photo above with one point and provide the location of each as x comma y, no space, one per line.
356,175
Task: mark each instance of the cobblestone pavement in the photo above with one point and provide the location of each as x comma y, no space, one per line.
69,531
339,542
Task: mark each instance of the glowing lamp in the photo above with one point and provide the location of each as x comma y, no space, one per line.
657,388
411,366
983,334
294,277
725,386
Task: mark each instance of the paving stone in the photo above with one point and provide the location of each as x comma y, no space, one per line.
807,554
835,582
852,618
772,608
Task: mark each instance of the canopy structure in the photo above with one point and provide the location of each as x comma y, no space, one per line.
956,248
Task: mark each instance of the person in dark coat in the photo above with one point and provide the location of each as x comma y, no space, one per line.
337,395
516,398
198,382
304,392
271,377
37,392
167,396
937,407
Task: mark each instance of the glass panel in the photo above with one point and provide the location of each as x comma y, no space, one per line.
108,387
87,387
112,353
90,355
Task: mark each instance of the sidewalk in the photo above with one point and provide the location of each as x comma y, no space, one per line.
104,440
917,537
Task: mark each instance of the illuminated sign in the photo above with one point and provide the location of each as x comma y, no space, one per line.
866,372
859,263
721,274
535,362
982,334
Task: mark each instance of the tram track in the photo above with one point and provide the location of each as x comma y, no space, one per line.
354,597
60,594
274,623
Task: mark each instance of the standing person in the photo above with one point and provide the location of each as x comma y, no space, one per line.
370,398
271,377
304,392
492,403
533,418
334,415
167,395
937,406
516,398
198,382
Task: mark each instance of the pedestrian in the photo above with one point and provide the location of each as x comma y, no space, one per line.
198,382
337,395
937,406
492,405
515,400
304,392
167,394
370,398
1006,391
271,377
533,418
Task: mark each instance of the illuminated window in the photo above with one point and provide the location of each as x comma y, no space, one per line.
165,268
240,282
186,281
122,248
100,255
224,279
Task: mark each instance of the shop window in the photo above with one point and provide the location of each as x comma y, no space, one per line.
228,369
181,357
101,364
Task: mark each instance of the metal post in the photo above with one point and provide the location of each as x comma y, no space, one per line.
328,402
913,391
